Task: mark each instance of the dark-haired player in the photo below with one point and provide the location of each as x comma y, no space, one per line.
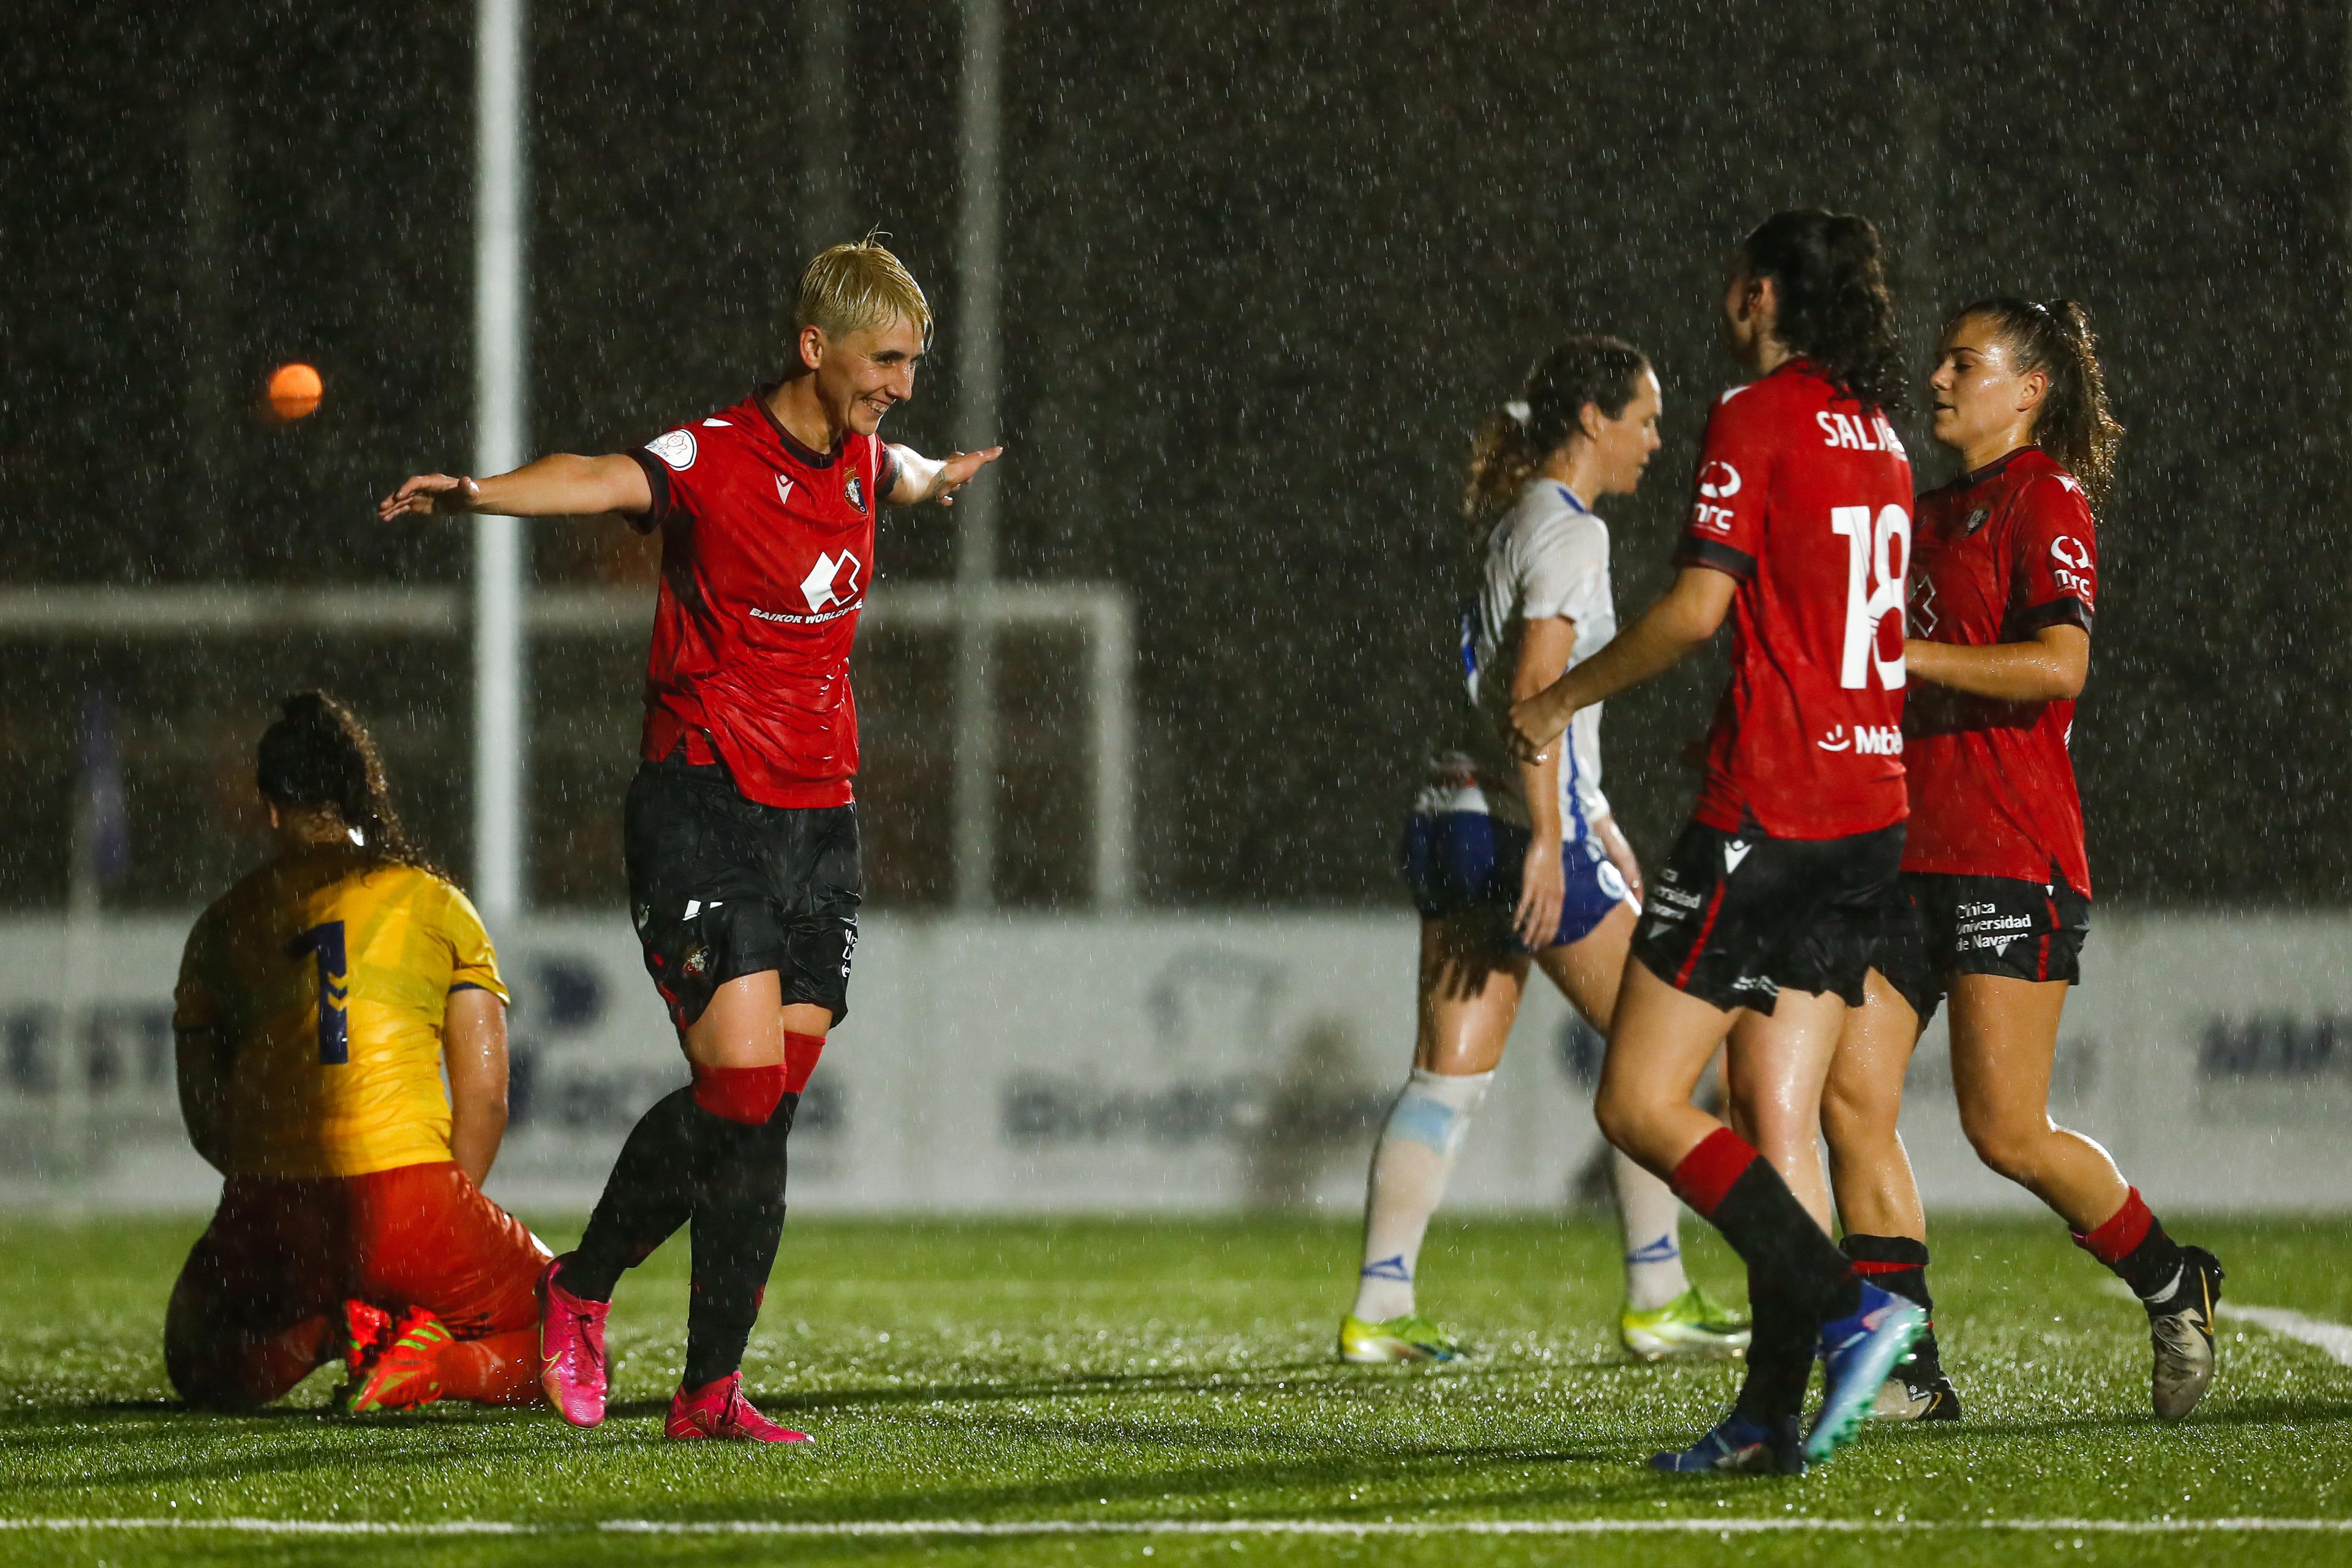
1995,896
1766,913
740,833
1515,863
319,1002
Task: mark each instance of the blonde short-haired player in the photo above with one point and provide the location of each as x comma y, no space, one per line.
319,1002
1517,863
740,833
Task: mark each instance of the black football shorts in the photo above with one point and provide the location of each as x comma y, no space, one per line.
1735,918
1938,926
721,887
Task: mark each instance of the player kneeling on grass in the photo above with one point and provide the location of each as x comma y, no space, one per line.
319,1000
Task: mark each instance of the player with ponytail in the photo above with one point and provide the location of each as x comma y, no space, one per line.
320,1001
1994,901
1515,863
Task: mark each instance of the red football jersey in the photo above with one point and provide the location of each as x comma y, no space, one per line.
2002,552
1805,497
766,549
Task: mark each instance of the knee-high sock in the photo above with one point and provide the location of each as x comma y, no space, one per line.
739,1218
497,1369
1410,1166
2132,1242
648,1196
1899,1265
1651,1217
1797,1279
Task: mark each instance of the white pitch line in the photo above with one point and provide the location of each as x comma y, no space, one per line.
1235,1527
2332,1338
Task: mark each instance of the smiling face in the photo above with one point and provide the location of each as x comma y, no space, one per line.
861,375
1622,448
1981,399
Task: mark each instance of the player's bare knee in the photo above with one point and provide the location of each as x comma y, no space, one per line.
2009,1146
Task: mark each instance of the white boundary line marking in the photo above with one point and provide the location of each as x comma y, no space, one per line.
2332,1338
1235,1527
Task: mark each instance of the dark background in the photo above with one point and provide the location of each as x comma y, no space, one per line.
1265,266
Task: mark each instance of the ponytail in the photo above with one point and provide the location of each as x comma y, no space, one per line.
1519,437
2074,424
318,756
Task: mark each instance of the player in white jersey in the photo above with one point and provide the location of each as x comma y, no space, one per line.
1517,863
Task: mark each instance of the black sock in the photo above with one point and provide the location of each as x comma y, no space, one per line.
648,1196
1779,1243
1898,1265
1893,1263
739,1218
2153,1266
1781,1344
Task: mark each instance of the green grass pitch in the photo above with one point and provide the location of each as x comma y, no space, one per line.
1179,1371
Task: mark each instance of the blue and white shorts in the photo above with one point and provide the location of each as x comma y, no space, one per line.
1466,863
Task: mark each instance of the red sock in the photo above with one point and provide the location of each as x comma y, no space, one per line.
748,1094
2112,1241
801,1052
1704,1176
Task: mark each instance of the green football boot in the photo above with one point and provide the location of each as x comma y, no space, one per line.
1409,1337
1691,1325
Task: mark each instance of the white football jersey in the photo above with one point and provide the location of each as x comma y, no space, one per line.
1548,557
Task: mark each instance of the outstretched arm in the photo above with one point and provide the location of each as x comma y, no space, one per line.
1686,616
558,486
474,1048
921,478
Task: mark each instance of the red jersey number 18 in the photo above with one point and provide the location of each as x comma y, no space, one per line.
1877,577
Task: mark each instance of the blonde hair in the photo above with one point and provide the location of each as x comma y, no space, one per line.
850,288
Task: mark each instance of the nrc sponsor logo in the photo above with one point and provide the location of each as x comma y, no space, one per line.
1865,740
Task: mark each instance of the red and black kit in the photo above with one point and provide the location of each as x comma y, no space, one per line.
741,831
1804,496
1995,880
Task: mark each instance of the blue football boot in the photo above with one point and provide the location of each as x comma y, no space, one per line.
1739,1446
1857,1352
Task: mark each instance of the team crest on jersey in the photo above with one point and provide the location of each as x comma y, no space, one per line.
855,492
1976,520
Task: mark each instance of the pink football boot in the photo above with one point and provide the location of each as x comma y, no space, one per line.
570,1350
721,1411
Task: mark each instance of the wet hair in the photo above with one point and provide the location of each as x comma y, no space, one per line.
2072,424
317,756
852,287
1835,311
1515,440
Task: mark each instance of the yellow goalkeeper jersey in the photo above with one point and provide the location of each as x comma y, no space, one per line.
328,979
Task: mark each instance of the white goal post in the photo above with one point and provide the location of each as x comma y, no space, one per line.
1101,613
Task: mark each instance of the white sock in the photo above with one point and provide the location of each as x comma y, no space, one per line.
1652,1217
1410,1165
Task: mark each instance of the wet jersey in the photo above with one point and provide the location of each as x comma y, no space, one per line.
1548,557
2001,553
1805,497
327,979
767,552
